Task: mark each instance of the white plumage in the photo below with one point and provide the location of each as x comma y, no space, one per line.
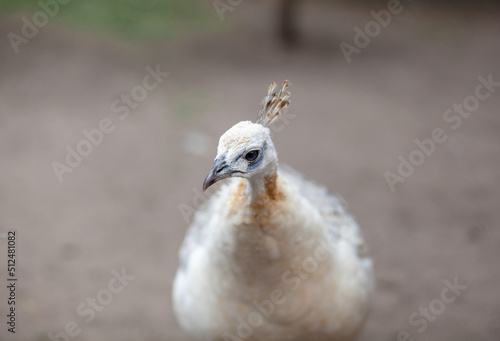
271,256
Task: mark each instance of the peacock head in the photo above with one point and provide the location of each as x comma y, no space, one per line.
246,149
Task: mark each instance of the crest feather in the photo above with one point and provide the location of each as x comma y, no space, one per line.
273,104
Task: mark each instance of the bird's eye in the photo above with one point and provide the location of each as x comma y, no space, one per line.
252,155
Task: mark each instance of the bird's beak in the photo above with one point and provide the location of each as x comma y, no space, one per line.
220,170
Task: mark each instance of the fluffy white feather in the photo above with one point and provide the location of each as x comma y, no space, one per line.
271,256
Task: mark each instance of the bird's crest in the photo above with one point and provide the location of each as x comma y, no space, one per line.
273,104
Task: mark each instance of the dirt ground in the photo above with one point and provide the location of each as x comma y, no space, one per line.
119,209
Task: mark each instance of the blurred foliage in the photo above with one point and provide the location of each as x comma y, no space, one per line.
134,20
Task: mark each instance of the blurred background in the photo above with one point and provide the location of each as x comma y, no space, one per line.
110,113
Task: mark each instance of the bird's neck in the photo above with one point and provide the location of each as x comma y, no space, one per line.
254,201
260,242
263,187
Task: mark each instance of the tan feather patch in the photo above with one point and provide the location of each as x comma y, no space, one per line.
273,104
